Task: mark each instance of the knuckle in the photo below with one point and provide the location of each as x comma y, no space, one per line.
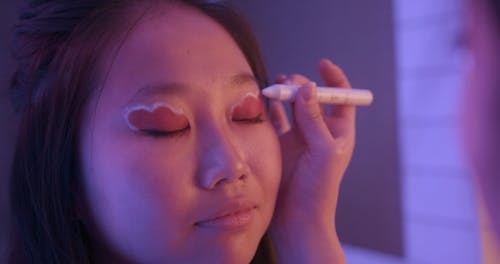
298,79
313,115
316,116
343,148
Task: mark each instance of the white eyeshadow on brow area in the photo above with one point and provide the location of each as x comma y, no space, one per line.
151,108
249,94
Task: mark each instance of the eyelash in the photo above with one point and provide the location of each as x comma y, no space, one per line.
158,133
255,120
161,134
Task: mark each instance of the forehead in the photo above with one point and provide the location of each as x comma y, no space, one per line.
178,43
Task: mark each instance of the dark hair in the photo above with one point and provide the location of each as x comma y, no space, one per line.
57,47
495,5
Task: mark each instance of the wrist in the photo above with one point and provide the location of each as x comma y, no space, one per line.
307,243
315,220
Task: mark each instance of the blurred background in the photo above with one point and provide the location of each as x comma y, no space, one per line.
8,121
408,196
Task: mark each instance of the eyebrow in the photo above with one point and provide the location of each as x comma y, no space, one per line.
176,87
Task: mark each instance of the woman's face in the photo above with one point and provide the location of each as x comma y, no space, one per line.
180,162
482,104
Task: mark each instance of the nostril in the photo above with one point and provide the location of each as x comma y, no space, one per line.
227,180
242,177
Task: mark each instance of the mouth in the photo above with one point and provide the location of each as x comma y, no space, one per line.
231,217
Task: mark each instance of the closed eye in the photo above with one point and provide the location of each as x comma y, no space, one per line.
258,119
161,133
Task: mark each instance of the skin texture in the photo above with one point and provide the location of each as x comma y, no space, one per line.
481,105
159,117
315,153
250,105
147,192
150,193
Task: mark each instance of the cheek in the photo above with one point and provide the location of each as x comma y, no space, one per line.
266,166
141,176
134,187
266,159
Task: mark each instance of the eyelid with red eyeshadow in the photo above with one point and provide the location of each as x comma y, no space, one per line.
157,118
249,108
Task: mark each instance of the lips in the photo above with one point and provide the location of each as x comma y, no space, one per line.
231,216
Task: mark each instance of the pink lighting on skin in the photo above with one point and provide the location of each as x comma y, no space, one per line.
250,106
234,216
158,117
147,190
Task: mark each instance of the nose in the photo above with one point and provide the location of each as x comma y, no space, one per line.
221,161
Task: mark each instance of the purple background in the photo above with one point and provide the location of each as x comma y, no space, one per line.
357,35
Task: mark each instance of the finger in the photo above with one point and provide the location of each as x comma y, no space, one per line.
279,119
333,74
298,79
335,77
309,118
280,78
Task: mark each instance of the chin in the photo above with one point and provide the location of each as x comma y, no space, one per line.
240,257
235,251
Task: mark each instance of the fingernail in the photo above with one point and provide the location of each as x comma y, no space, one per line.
325,60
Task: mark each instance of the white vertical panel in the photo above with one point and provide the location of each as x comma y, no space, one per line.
443,198
357,255
440,208
406,10
442,243
430,98
431,144
429,45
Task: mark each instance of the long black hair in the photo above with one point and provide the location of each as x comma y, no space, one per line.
495,5
57,47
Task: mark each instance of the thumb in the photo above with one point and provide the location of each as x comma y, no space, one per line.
309,118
